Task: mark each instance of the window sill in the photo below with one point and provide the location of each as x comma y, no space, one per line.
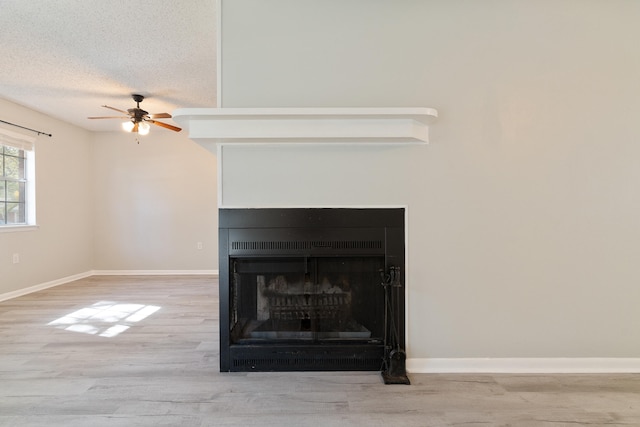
17,228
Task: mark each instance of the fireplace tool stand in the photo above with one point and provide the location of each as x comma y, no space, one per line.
394,369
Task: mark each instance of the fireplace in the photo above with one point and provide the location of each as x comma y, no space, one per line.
312,289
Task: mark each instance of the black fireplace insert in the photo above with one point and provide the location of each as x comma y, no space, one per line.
312,289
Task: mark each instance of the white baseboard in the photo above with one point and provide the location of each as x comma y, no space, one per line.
62,281
154,272
560,365
42,286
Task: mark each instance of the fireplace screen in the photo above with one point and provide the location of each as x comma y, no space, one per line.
307,299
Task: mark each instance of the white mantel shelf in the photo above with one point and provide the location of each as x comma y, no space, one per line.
210,126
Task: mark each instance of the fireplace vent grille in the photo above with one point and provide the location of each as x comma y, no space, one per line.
306,363
298,245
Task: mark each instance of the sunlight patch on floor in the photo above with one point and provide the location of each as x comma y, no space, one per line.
104,318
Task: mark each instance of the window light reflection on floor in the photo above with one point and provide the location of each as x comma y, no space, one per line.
104,318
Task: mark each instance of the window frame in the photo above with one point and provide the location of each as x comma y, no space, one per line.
24,144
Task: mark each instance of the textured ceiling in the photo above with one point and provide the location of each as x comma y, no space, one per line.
66,58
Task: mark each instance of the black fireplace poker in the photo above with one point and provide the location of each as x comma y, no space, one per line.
394,370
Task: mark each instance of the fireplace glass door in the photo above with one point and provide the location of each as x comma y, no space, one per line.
306,300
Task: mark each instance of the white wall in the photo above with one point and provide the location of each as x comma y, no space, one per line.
105,202
523,212
154,201
62,245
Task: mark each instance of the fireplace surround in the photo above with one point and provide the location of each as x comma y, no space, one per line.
312,289
284,304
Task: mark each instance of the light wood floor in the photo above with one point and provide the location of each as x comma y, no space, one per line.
163,371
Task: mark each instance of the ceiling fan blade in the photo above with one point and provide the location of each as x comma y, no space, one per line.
110,117
160,116
115,109
166,126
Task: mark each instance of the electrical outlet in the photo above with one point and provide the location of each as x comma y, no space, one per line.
16,258
199,245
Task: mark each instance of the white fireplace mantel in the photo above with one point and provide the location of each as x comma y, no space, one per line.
209,126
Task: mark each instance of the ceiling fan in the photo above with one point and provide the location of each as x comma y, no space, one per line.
139,119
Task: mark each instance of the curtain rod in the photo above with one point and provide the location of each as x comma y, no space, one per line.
32,130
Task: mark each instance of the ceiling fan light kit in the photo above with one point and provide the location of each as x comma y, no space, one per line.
128,126
143,128
139,119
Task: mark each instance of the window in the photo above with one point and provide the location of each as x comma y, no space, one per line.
17,198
